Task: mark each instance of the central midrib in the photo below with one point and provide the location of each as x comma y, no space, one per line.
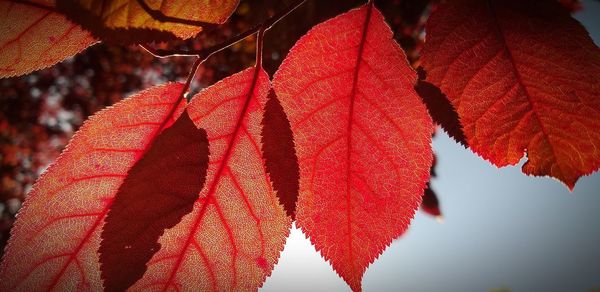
349,131
519,78
216,180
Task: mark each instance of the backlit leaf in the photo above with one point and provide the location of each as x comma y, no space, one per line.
34,36
159,190
55,240
140,21
233,237
362,135
524,77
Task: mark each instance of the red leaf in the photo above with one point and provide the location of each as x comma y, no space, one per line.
280,156
56,237
34,37
523,76
159,190
363,138
234,235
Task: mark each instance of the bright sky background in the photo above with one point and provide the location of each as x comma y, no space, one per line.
502,229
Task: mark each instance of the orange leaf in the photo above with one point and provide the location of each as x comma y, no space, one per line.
523,77
34,37
56,237
362,134
233,237
140,21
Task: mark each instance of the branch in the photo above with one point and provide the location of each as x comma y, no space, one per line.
205,53
160,16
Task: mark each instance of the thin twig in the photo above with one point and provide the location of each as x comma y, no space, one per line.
259,47
203,54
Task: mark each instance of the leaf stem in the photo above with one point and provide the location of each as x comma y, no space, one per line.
183,93
203,54
190,77
259,47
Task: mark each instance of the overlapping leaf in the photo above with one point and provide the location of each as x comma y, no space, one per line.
34,36
234,235
159,190
139,21
281,161
363,138
55,241
441,110
524,78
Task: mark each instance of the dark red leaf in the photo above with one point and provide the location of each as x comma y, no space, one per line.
431,204
279,153
158,191
441,110
523,77
232,238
